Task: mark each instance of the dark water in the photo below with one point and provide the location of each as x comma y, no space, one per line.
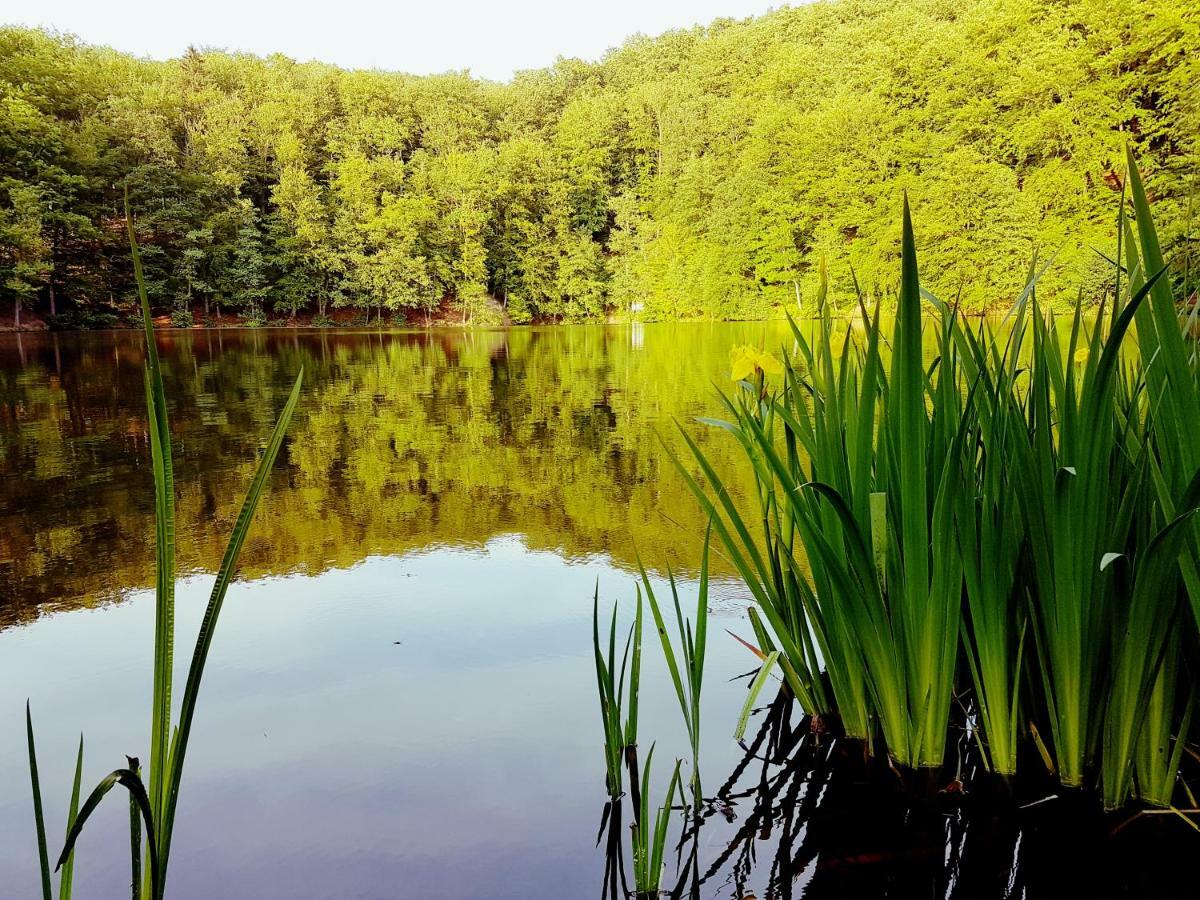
400,701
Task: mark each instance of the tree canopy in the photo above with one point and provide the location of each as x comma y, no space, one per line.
703,173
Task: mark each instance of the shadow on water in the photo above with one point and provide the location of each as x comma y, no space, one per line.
808,813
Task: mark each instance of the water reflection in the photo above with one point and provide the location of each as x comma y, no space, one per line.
808,814
401,698
420,725
402,441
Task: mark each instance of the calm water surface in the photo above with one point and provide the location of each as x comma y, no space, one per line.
400,701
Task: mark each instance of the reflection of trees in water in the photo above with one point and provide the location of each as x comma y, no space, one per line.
402,441
806,813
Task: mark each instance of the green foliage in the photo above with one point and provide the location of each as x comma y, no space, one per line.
984,486
84,319
67,862
700,174
618,710
650,832
686,666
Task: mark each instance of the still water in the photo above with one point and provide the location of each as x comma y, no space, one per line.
400,701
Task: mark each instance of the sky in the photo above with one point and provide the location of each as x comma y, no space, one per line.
492,38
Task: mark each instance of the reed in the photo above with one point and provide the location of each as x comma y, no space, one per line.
1069,474
1161,744
1022,495
858,468
687,666
649,834
1169,364
990,541
66,872
618,687
154,803
780,592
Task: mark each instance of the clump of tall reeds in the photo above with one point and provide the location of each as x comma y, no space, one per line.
1019,496
618,680
686,666
153,803
619,683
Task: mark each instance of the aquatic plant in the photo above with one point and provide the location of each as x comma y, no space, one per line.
1163,738
67,868
1030,501
686,676
1169,367
649,834
870,464
991,539
780,591
154,804
618,693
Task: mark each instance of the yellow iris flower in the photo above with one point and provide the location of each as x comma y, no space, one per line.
744,361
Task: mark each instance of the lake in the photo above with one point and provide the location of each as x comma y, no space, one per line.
401,690
401,699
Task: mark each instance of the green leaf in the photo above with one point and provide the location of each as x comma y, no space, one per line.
67,873
38,819
756,686
129,779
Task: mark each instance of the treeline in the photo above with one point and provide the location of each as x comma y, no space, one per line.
704,173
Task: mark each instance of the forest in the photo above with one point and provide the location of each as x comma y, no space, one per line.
705,173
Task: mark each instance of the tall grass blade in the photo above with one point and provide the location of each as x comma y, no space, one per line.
212,613
618,710
67,873
38,819
135,843
687,666
649,834
164,542
756,686
157,805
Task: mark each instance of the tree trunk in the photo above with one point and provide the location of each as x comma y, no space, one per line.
17,314
53,305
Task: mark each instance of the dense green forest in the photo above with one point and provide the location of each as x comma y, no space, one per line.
703,173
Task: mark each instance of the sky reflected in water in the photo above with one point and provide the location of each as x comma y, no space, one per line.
400,700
